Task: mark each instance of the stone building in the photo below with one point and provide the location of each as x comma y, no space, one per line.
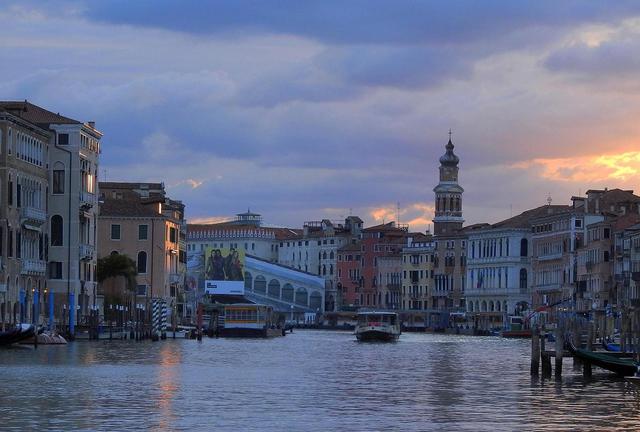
140,221
71,159
417,273
315,250
24,184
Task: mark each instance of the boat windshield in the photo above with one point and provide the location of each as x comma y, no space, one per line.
377,318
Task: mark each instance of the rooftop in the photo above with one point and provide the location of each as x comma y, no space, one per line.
35,114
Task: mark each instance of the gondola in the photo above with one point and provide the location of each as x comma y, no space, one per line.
15,335
620,365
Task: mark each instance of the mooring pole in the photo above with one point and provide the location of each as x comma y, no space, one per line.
535,351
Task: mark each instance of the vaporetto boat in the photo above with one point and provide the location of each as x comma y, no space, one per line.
377,326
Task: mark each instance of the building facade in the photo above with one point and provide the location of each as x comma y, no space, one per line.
138,220
24,183
71,162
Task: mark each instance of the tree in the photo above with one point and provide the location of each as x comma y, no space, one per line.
114,266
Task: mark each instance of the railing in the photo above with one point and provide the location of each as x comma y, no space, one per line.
33,214
175,278
86,251
33,267
548,257
87,199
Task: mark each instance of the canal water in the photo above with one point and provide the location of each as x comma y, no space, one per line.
306,381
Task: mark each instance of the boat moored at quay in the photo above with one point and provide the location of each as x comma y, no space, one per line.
377,326
248,320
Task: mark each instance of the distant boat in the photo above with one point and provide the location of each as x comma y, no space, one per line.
377,326
621,365
17,334
516,328
248,320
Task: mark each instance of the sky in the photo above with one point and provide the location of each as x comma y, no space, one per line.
320,109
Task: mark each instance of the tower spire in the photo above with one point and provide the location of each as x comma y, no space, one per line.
448,194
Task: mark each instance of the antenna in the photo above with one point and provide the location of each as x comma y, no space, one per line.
549,199
104,173
511,210
398,212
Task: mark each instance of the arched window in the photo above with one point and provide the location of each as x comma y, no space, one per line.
451,204
524,247
324,270
114,253
324,255
523,279
302,296
56,230
142,262
287,293
331,255
331,269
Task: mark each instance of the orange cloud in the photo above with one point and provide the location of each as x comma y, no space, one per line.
209,220
619,166
417,215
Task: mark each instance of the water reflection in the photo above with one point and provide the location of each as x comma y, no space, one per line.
305,381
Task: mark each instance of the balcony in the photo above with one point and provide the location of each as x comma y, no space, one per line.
549,257
33,216
86,251
175,278
34,267
87,200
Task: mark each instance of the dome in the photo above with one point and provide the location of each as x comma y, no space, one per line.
449,158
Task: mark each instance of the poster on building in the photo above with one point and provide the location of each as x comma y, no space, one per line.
224,271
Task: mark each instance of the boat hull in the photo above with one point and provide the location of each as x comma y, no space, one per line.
376,336
620,365
17,335
519,334
250,332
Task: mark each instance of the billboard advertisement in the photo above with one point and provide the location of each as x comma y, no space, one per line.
224,271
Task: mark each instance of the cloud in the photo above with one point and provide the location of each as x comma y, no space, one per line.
587,169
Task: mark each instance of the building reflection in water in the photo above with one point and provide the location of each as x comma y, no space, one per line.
167,380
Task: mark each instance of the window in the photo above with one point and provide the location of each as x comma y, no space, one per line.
115,232
18,195
523,279
141,290
524,247
143,232
142,262
56,230
10,192
63,139
172,235
58,178
55,270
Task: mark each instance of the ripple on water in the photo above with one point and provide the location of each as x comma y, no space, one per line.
309,380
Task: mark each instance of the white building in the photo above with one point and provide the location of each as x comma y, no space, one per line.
499,278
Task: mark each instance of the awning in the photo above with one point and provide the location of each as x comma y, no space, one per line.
31,227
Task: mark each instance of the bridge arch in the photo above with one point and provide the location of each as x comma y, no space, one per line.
302,296
274,288
260,285
287,293
315,300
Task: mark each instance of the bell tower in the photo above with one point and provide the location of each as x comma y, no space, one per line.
448,215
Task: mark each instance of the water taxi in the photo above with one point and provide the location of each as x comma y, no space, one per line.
377,326
248,320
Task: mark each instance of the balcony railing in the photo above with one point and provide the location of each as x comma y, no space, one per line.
33,215
548,257
33,267
175,278
86,251
87,199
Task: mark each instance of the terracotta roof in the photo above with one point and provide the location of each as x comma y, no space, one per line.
523,220
34,114
351,247
129,185
389,226
279,233
130,205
